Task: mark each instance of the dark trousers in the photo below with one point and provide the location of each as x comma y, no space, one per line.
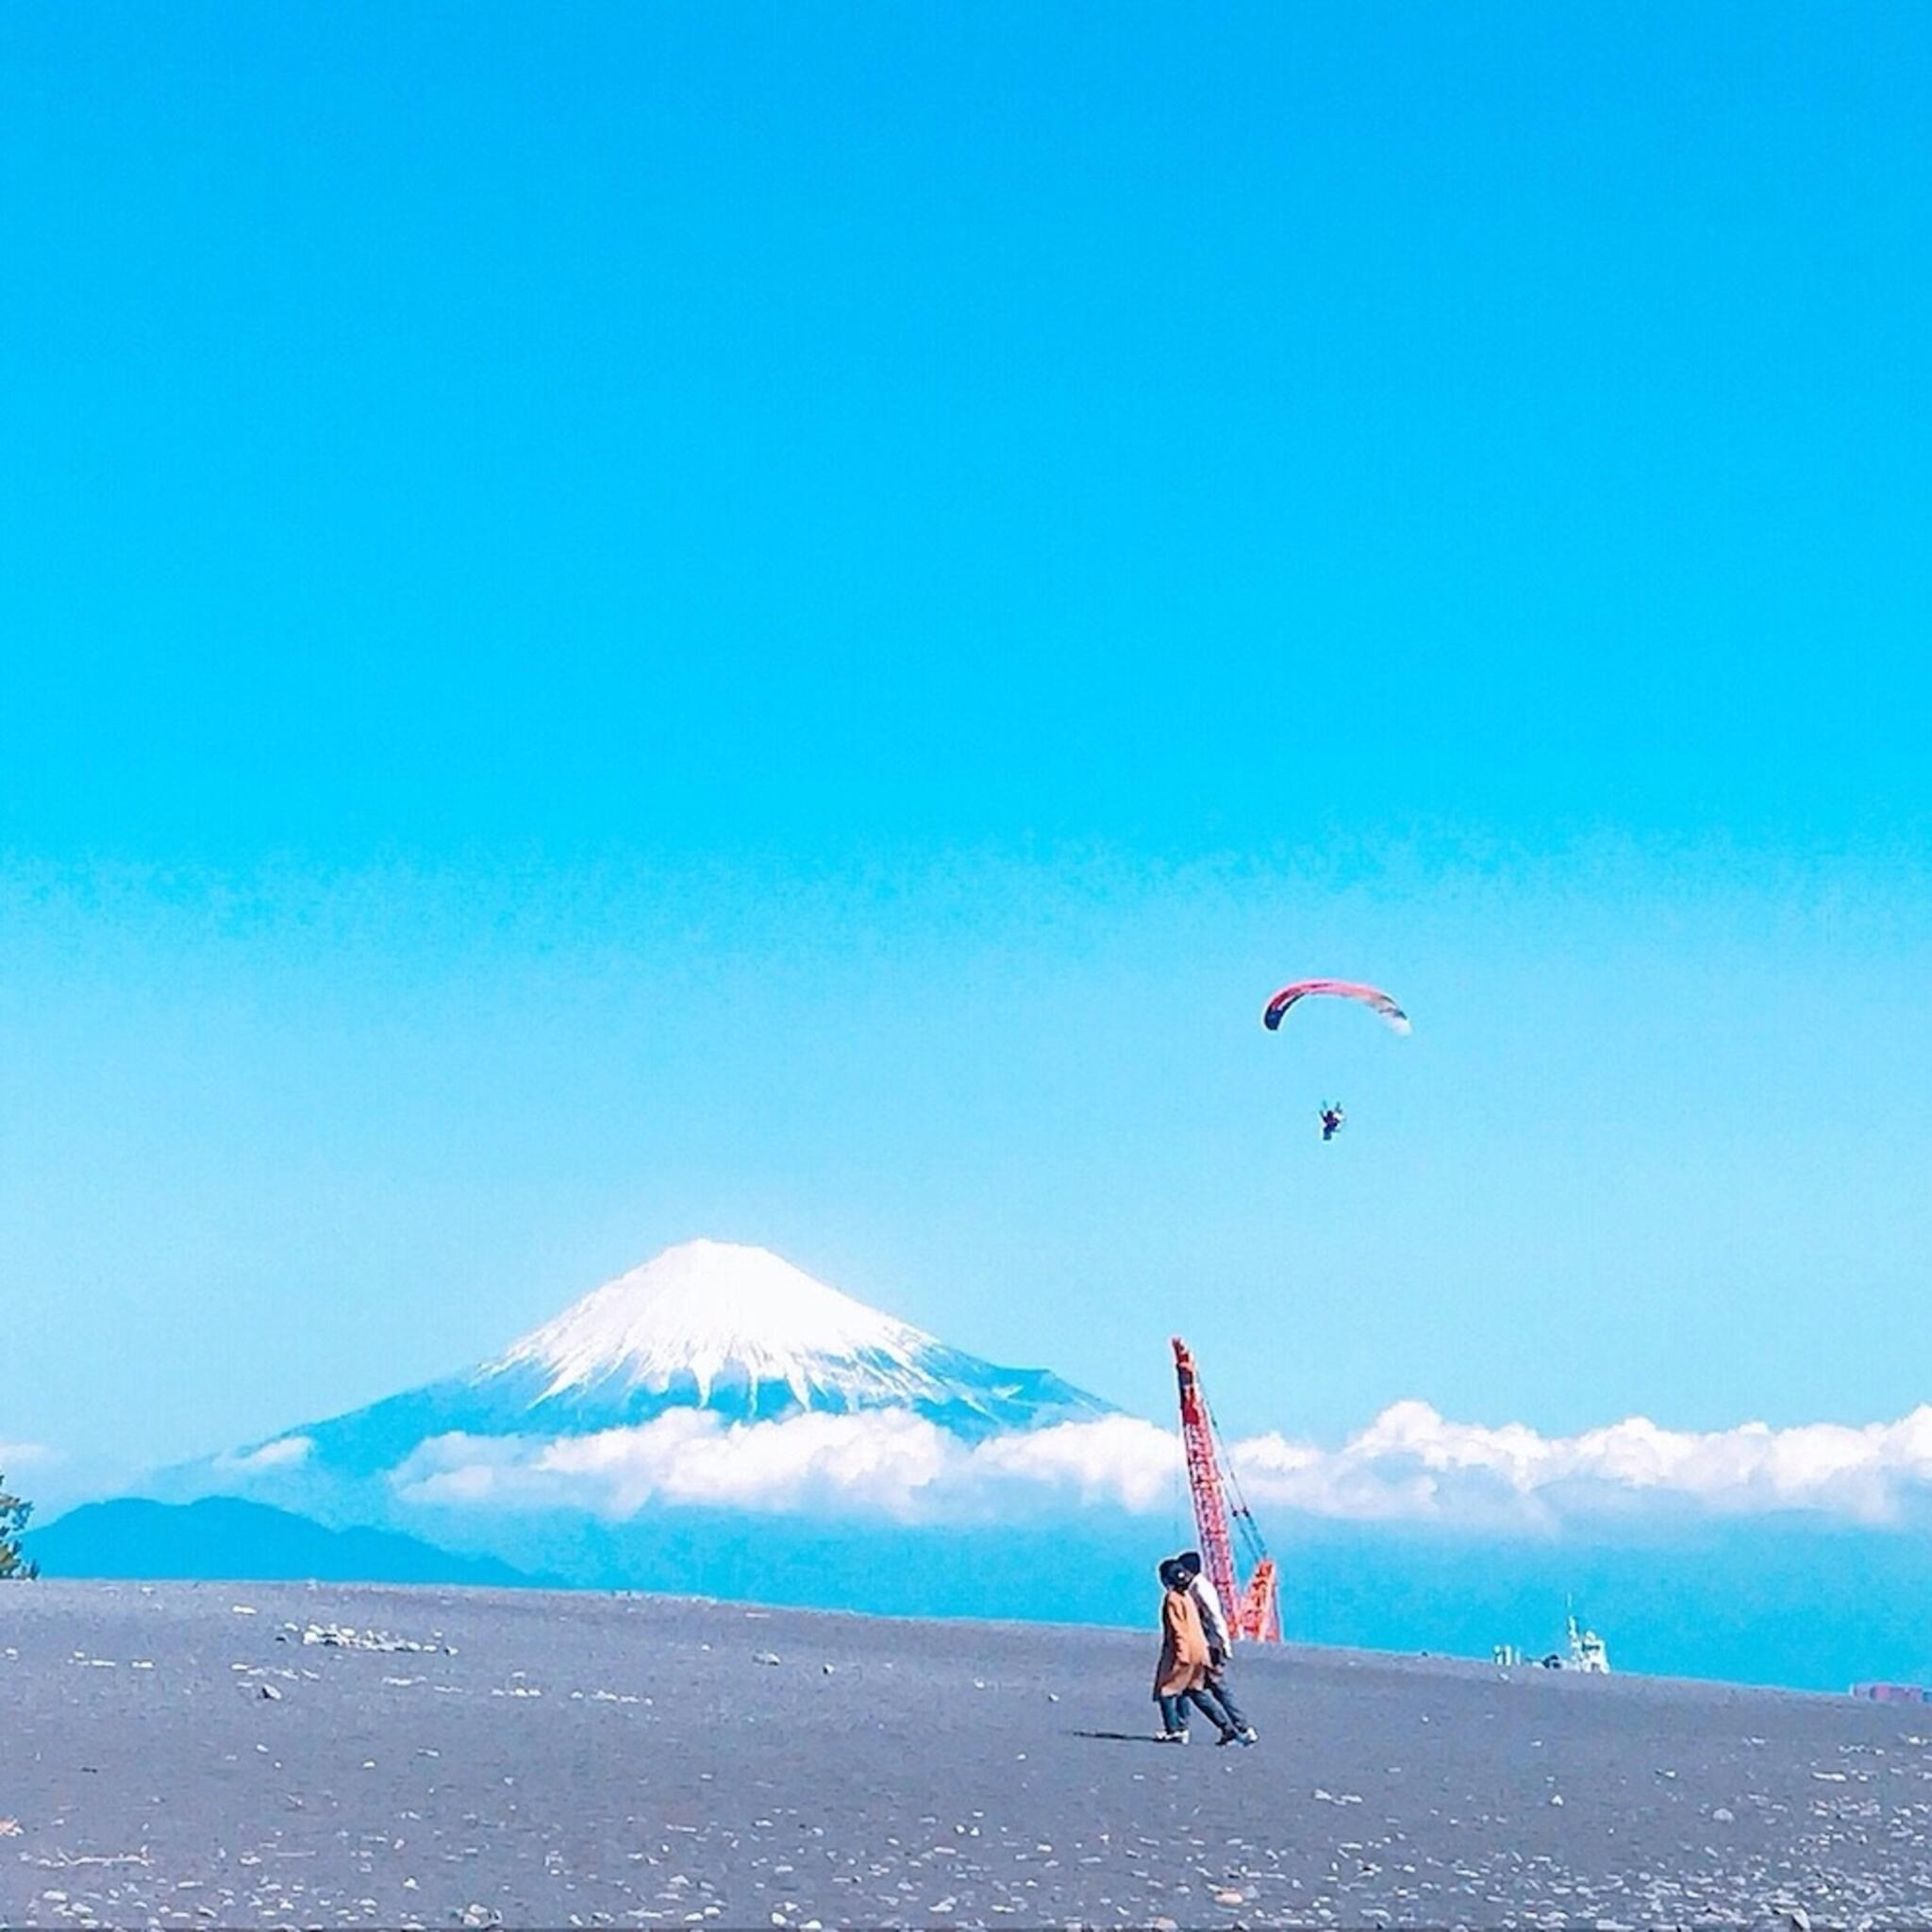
1217,1682
1174,1710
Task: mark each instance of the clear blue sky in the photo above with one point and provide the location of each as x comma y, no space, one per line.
627,621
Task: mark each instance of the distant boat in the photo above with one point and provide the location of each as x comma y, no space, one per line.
1588,1652
1894,1693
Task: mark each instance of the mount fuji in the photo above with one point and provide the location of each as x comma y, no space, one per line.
734,1332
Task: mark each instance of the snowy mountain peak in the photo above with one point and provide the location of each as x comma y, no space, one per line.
720,1312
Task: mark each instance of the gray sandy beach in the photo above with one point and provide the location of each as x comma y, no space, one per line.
235,1754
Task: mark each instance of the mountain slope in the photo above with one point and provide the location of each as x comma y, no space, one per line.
227,1539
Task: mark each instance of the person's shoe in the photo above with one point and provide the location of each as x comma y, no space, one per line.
1230,1737
1174,1737
1249,1734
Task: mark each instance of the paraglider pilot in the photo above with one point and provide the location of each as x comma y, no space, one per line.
1332,1121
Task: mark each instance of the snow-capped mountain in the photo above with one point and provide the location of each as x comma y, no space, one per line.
712,1325
739,1328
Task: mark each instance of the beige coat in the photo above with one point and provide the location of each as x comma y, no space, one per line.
1183,1646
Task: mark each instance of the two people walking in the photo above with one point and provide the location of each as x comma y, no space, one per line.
1195,1645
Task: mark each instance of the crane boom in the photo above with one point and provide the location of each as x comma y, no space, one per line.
1253,1613
1204,1478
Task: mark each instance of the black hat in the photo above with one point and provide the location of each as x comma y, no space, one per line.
1188,1561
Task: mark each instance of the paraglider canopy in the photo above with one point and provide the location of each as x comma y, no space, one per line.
1371,996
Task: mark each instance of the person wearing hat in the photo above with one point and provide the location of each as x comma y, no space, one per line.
1181,1677
1220,1643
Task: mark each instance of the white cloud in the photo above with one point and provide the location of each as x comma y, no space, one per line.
886,1458
1409,1464
887,1462
1412,1463
285,1452
1119,1461
23,1455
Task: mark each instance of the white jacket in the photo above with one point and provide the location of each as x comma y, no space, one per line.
1208,1602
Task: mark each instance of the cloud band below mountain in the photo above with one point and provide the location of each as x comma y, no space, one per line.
1410,1464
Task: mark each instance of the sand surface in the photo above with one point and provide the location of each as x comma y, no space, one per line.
576,1760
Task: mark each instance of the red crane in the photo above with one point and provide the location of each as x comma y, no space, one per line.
1253,1613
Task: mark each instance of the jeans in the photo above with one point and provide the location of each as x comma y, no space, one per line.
1174,1710
1217,1683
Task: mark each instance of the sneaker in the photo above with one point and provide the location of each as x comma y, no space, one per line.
1174,1737
1249,1734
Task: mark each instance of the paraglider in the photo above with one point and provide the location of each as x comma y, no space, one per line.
1371,996
1379,1002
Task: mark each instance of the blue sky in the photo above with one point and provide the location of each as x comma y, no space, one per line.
629,623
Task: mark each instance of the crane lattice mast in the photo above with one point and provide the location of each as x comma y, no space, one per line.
1253,1613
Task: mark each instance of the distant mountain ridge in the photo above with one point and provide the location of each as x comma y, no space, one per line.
232,1540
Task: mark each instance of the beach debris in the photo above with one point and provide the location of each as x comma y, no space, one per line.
766,1657
269,1692
345,1637
10,1827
